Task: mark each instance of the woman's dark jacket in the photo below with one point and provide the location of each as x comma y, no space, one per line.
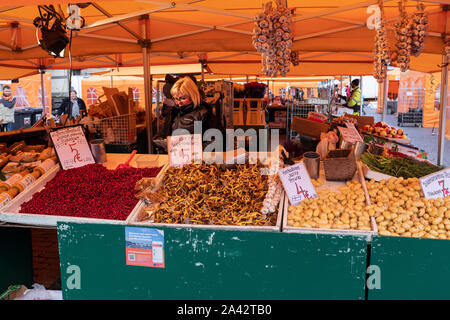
184,117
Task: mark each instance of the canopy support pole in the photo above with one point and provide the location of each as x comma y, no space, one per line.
42,71
361,96
442,110
384,101
147,81
444,85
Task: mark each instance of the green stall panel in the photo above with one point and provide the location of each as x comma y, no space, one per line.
212,264
410,268
16,257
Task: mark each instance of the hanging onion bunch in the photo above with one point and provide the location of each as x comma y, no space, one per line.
419,28
403,36
272,38
295,58
382,57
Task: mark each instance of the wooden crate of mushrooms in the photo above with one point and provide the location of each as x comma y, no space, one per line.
212,196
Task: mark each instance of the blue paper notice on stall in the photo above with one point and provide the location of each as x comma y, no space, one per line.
144,247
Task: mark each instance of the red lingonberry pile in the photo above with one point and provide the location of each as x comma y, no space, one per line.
91,191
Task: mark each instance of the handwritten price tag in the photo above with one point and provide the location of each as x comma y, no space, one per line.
297,183
436,185
350,134
72,147
184,149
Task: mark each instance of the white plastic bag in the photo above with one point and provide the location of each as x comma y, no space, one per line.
40,293
327,142
322,147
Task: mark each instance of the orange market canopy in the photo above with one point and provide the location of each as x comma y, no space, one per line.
331,35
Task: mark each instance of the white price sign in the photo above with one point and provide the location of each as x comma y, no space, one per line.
350,134
297,183
72,147
184,149
436,185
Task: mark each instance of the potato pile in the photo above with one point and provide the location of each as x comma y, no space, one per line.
333,210
400,209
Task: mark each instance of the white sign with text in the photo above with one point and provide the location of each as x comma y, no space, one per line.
297,183
72,147
350,134
184,149
436,185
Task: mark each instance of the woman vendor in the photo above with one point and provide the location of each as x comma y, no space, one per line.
189,107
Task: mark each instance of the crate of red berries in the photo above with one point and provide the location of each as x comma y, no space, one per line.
92,193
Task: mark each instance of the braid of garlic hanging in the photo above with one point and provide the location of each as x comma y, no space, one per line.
419,28
272,38
382,56
295,58
403,36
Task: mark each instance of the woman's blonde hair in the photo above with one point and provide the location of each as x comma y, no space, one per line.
186,86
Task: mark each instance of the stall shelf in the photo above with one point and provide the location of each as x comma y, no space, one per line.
334,187
133,220
209,157
10,213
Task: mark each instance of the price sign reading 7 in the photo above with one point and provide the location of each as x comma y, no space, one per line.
77,156
445,192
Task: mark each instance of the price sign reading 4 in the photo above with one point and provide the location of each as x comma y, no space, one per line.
304,193
436,185
297,183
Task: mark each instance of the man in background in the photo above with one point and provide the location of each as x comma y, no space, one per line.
7,103
74,106
354,101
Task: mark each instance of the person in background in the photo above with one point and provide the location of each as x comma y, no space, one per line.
74,106
7,103
354,101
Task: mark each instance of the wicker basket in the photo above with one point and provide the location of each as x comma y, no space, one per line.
339,165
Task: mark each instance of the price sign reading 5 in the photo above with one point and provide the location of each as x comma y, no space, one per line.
77,156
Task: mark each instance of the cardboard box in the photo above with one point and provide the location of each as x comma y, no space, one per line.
309,128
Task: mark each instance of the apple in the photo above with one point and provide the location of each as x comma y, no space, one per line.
394,132
396,136
383,133
388,130
378,124
366,128
389,135
404,137
400,132
377,129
